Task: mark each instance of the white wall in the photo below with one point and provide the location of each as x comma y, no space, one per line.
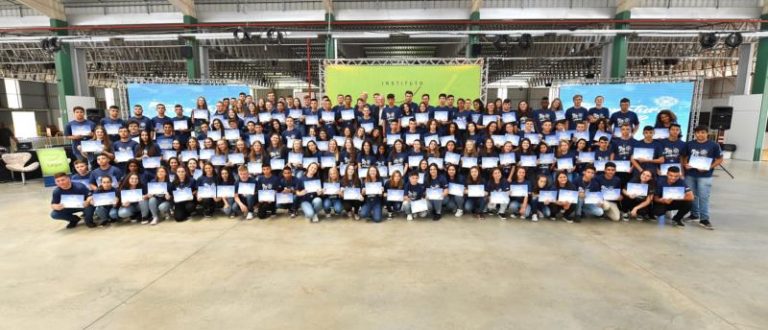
746,114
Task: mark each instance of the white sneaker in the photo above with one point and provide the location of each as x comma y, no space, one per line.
459,212
249,216
535,218
315,219
144,222
357,217
327,215
512,216
154,221
409,217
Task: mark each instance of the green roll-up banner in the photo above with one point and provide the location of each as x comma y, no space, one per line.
53,160
461,81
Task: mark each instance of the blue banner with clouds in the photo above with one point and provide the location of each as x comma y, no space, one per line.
150,95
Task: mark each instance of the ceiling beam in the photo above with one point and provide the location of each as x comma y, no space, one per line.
51,8
476,4
187,7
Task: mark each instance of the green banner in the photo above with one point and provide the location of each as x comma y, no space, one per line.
461,81
53,160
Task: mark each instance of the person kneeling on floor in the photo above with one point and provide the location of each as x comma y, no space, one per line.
69,199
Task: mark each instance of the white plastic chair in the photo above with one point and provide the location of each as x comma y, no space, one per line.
15,162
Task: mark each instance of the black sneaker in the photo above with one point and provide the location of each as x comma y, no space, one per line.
679,223
692,217
706,225
436,217
91,224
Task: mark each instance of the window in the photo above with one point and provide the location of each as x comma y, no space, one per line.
24,124
12,92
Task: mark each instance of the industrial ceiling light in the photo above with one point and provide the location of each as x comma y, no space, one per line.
707,40
50,45
274,36
734,40
241,35
525,41
501,42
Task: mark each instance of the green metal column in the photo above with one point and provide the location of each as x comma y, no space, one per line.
474,39
620,48
65,79
760,87
330,45
193,64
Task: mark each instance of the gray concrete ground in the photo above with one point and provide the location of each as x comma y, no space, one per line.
341,274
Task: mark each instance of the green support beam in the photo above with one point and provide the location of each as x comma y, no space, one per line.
474,39
330,46
620,48
65,78
760,87
193,64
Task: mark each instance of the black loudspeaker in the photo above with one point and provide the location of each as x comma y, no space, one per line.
721,117
94,114
476,50
186,52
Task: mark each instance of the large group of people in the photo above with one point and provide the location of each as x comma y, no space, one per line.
247,157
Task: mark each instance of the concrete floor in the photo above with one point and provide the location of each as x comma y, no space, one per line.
455,274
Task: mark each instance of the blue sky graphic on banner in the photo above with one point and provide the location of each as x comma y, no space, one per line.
150,95
646,100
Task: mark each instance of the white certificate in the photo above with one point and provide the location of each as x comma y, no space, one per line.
279,117
394,195
91,146
567,135
367,127
637,189
150,162
347,114
254,168
490,162
322,145
308,161
391,139
312,186
284,198
182,195
507,158
559,115
327,161
445,139
436,161
225,191
411,137
331,188
586,157
81,130
476,117
413,161
214,135
383,171
266,196
429,138
168,154
255,137
593,197
122,156
673,193
600,165
665,167
551,140
295,158
246,188
455,189
328,116
468,162
581,136
186,155
218,160
206,191
487,119
373,188
499,140
265,117
441,115
513,138
622,166
547,158
231,134
660,133
548,196
700,163
570,196
405,120
357,143
508,117
518,190
421,117
361,172
475,190
179,125
73,201
598,135
200,114
277,163
642,153
419,206
112,129
452,158
564,163
157,188
311,120
434,194
295,113
104,199
352,194
611,194
499,197
528,160
533,137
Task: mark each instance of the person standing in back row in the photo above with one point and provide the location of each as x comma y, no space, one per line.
625,116
700,180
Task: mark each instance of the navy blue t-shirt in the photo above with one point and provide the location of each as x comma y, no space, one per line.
708,149
657,152
414,192
605,183
574,115
672,150
619,118
271,183
662,182
112,172
622,149
75,189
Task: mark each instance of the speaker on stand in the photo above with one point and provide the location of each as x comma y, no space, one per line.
721,119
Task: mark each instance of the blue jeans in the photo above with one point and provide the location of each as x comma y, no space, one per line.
502,207
232,206
475,205
371,209
453,203
436,206
537,206
134,208
158,207
514,208
69,214
311,209
592,210
394,207
106,213
249,200
702,188
332,204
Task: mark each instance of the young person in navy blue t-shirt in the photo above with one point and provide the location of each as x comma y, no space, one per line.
79,125
64,186
625,116
576,113
673,148
700,180
662,205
